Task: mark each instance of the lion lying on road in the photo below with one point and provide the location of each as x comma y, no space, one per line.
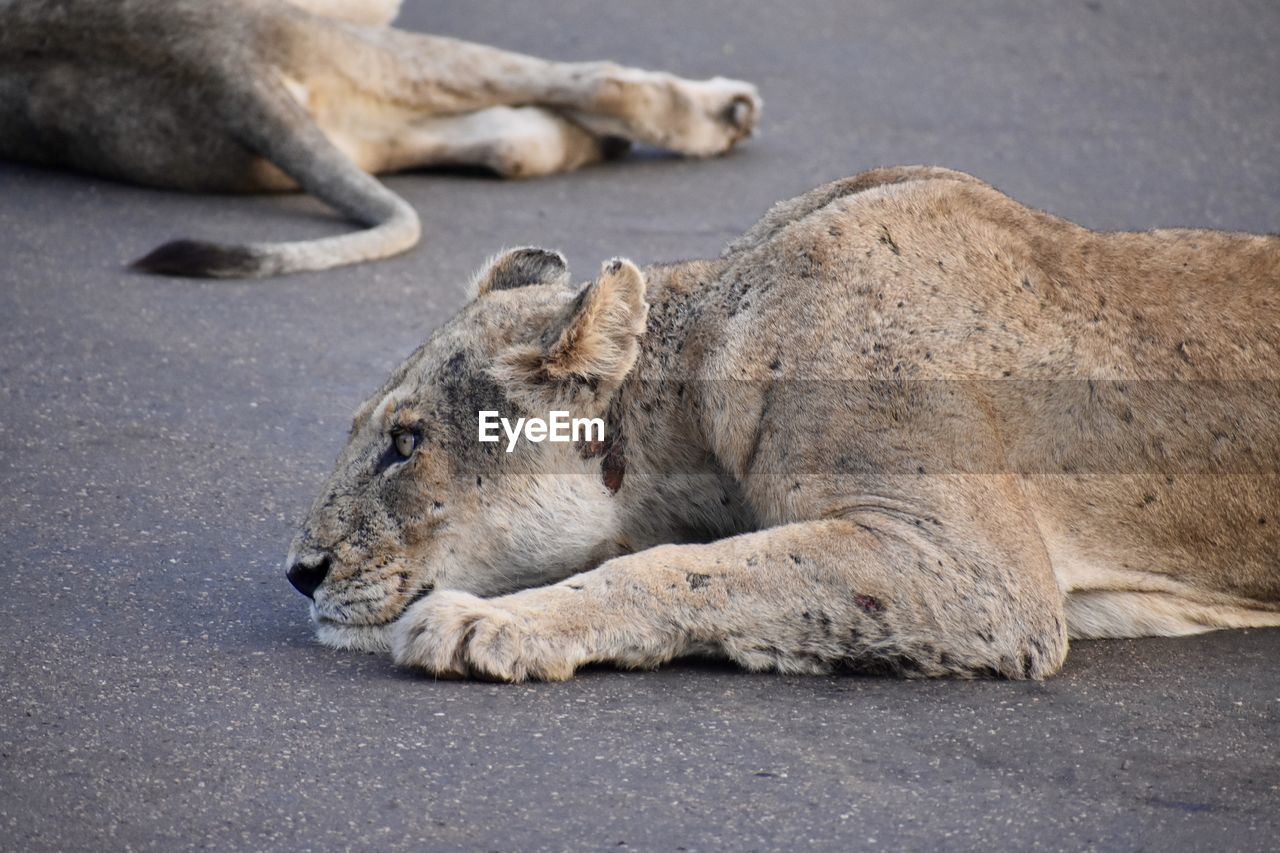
904,423
248,95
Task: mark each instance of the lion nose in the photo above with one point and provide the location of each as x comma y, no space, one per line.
307,573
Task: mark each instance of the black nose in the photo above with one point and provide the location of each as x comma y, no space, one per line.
307,573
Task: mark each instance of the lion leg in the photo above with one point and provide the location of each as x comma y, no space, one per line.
514,142
427,75
799,598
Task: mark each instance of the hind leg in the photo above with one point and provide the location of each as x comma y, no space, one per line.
414,76
514,142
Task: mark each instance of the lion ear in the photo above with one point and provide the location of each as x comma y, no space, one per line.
590,350
521,268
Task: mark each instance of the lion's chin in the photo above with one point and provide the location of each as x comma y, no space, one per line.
361,638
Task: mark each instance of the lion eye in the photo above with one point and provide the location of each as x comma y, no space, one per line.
405,443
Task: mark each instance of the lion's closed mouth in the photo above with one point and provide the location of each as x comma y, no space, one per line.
419,595
337,623
422,593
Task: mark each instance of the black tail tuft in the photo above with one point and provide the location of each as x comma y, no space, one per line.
202,260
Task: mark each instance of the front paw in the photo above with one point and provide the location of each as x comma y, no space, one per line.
455,634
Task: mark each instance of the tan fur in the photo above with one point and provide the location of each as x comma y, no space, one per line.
371,13
904,423
251,95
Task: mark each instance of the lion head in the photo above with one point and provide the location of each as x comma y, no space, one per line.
417,503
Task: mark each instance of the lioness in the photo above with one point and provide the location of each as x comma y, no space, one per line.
248,95
904,423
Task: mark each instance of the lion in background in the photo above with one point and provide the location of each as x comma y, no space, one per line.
253,95
903,424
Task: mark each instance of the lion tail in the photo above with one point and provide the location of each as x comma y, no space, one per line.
271,123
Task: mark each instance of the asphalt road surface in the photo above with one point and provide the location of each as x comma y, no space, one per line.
159,439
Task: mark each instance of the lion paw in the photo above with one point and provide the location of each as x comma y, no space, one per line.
716,115
699,118
455,634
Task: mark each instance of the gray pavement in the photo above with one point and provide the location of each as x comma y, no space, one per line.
159,687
